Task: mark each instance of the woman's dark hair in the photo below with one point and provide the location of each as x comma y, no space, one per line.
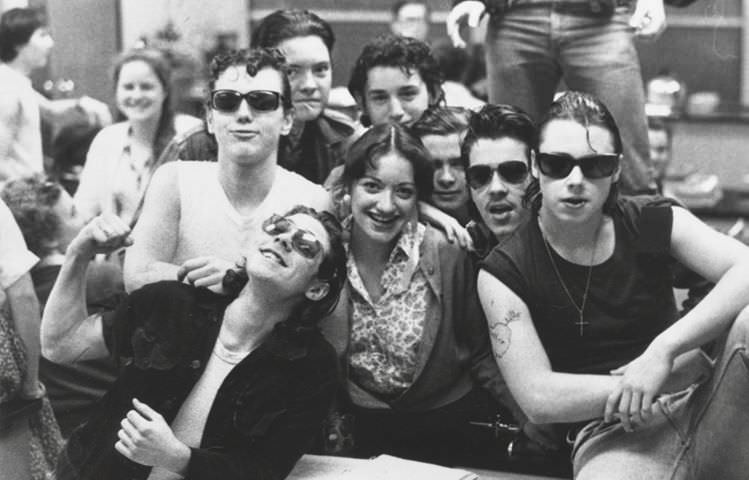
285,24
332,271
588,111
253,60
17,25
32,201
161,67
405,53
383,139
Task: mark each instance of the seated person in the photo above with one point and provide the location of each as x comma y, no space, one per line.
584,324
395,79
49,221
69,148
319,136
410,330
211,386
441,131
199,216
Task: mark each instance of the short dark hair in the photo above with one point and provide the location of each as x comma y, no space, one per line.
285,24
32,201
495,122
253,60
441,121
386,138
405,53
453,61
332,271
586,110
17,25
395,10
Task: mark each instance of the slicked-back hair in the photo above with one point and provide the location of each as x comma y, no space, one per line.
160,66
253,60
17,25
405,53
386,138
588,111
495,122
332,270
285,24
441,121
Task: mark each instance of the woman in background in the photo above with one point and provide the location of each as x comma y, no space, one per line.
123,156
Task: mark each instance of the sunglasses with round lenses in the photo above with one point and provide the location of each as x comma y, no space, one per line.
559,165
303,241
259,100
511,172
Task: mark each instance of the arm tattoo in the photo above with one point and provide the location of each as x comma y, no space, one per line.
501,333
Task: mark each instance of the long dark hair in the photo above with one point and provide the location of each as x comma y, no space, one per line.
588,111
163,70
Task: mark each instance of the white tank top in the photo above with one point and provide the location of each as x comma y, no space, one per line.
209,224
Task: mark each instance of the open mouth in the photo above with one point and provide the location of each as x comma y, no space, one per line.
383,221
273,256
574,202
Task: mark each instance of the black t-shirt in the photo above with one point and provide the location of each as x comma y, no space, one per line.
630,299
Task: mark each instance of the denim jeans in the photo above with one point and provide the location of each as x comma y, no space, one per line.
529,49
702,434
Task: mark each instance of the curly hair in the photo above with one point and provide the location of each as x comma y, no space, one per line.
32,201
405,53
253,60
332,270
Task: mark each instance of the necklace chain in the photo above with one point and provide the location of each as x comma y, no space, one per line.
581,308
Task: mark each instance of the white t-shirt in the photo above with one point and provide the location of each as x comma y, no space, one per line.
210,225
15,259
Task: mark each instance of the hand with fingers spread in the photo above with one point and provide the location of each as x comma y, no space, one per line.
104,234
205,272
648,19
472,10
147,439
642,380
455,232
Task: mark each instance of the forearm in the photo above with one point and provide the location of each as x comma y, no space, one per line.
139,274
54,110
66,327
24,308
709,318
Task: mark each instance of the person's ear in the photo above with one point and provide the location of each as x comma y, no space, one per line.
288,121
534,165
618,171
317,291
209,120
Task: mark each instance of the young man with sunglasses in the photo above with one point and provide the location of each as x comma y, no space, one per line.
496,154
319,136
584,324
198,216
211,386
441,129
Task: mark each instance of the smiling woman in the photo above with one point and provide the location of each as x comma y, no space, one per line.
414,337
123,156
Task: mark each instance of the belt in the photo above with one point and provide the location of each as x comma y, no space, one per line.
595,8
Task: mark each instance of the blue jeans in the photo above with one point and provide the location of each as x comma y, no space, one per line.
529,49
702,434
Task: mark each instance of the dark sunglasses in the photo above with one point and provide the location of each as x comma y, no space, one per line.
559,165
511,172
303,241
259,100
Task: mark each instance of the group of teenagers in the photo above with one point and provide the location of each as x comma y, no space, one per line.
253,313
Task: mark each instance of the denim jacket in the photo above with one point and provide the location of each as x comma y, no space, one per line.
263,418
